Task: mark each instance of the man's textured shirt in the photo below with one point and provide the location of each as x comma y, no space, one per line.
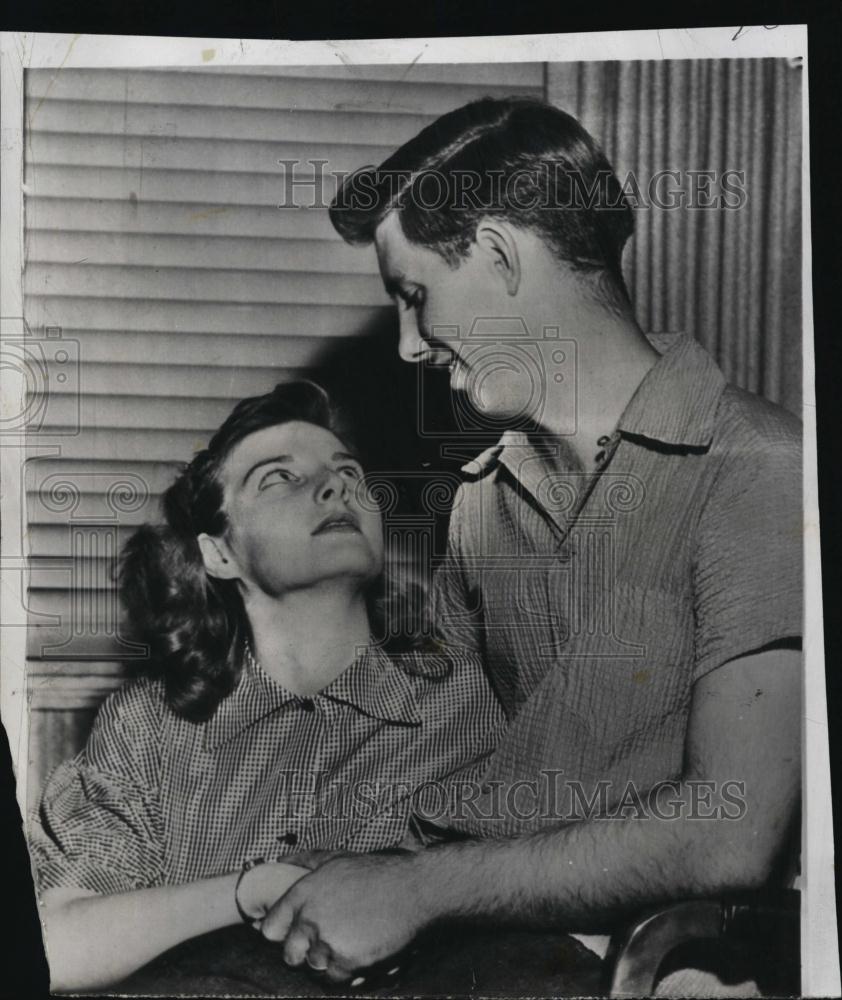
154,799
597,600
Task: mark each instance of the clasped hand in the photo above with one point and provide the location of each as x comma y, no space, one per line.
351,911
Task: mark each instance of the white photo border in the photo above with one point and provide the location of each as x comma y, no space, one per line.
22,50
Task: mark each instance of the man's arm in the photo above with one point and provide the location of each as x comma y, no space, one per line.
744,727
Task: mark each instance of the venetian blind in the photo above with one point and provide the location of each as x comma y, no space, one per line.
163,283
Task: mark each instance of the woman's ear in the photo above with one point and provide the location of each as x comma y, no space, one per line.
497,242
218,560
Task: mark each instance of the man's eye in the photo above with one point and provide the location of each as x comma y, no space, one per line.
350,472
412,299
276,476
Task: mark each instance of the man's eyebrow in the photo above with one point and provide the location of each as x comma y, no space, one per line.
339,456
266,461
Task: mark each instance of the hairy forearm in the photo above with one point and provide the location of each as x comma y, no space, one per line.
583,873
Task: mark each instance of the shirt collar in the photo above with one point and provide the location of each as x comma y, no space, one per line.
677,400
375,684
675,404
255,696
381,686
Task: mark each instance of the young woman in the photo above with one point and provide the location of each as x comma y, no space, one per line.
270,721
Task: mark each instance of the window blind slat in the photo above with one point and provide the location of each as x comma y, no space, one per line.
95,477
246,351
121,281
121,379
220,253
271,189
91,507
524,74
300,93
196,219
141,412
188,121
217,316
248,155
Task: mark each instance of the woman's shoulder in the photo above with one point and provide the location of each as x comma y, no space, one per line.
135,711
122,748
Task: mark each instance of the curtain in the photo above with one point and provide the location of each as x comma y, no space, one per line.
729,134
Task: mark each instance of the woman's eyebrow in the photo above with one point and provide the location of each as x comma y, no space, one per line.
265,461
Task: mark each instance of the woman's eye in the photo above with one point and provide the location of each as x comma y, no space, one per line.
276,476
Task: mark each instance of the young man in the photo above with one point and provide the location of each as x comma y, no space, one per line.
627,559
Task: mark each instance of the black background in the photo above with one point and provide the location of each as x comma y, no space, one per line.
23,971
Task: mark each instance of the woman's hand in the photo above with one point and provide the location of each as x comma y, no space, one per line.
350,912
262,886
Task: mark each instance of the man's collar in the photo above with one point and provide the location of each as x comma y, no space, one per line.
675,404
375,684
677,400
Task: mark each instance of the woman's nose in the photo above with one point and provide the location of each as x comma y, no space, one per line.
411,345
331,485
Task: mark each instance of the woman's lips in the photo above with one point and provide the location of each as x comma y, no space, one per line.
337,522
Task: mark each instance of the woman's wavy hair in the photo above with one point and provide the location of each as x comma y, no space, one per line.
195,625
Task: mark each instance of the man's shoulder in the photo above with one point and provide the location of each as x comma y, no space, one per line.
746,421
757,460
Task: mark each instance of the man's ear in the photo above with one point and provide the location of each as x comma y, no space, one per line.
497,242
217,558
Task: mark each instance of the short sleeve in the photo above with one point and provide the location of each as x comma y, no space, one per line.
99,826
457,610
748,587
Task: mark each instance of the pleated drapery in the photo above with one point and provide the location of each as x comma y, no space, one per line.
729,274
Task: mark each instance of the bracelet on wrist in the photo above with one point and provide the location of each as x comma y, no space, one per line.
247,918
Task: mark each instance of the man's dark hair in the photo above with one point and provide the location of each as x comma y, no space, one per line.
520,159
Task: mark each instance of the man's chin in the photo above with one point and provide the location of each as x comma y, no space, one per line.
493,399
498,411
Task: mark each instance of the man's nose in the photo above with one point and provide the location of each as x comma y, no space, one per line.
411,345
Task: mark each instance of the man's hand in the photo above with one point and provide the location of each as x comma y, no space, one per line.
315,859
349,913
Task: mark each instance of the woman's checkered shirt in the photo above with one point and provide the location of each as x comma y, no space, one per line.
154,799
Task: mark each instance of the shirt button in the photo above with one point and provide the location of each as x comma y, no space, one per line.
308,704
290,839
